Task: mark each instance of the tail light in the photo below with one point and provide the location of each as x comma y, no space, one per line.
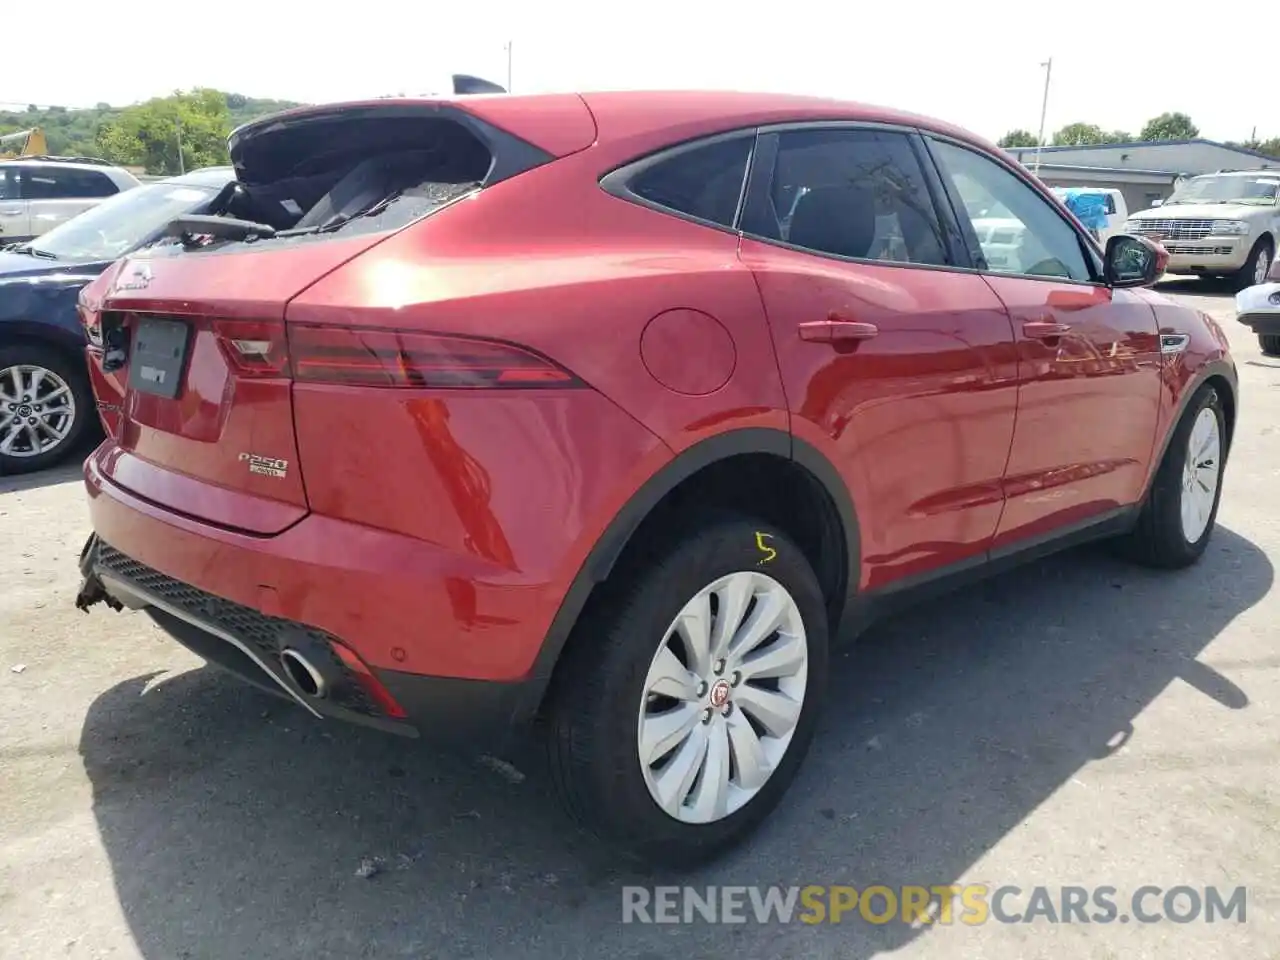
253,348
91,321
400,358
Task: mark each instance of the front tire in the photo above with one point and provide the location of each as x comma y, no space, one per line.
45,407
1256,268
1178,518
689,697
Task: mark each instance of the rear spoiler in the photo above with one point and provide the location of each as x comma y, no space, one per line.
465,84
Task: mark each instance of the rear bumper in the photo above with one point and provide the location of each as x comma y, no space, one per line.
249,644
450,639
402,603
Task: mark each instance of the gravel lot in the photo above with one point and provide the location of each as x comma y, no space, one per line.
1076,722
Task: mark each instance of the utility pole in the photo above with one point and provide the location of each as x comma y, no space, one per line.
177,126
509,45
1044,109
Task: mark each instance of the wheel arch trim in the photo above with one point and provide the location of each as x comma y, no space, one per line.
1219,369
624,526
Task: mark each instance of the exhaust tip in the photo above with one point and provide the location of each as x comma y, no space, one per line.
304,674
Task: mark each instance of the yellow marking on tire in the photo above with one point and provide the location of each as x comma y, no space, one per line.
768,551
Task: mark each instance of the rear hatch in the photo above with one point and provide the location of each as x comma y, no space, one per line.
192,332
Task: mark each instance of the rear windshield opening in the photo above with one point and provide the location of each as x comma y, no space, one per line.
347,175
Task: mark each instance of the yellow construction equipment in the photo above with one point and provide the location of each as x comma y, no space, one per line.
24,143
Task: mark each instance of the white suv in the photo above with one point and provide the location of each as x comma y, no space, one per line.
1221,224
39,193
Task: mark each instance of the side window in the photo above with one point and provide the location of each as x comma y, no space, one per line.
50,183
851,193
1017,230
8,184
42,183
703,182
88,183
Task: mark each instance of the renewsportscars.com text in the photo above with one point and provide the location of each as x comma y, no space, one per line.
971,904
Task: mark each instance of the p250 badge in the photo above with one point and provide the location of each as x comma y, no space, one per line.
135,277
265,466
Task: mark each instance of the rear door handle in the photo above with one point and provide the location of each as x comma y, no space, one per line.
832,331
1045,329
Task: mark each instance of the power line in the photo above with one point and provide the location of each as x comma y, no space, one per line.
43,106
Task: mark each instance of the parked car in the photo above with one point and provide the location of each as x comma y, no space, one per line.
1258,308
1218,225
46,404
1114,208
40,193
534,407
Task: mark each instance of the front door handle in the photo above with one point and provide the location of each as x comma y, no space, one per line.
833,331
1045,329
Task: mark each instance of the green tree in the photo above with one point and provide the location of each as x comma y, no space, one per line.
1018,138
1170,126
1270,147
76,132
148,134
1079,134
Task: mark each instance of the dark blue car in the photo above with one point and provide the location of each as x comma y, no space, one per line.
46,405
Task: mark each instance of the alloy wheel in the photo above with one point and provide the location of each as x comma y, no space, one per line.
1261,267
722,697
37,410
1201,471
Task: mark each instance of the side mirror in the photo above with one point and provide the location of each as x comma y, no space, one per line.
1134,261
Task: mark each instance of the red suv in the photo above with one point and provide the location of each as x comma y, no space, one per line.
612,410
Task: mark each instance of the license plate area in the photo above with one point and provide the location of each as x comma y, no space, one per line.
157,357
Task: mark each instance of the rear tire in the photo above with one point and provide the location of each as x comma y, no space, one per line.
1181,510
1255,269
606,706
1270,344
43,428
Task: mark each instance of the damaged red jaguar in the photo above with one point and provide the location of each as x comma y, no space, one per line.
613,411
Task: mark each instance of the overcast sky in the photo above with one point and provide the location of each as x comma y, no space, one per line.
975,64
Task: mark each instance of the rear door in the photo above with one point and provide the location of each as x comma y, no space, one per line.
897,363
1088,358
55,194
15,224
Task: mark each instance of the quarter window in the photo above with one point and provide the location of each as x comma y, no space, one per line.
850,193
704,182
1016,228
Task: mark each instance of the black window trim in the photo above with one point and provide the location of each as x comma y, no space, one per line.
760,183
617,182
1087,249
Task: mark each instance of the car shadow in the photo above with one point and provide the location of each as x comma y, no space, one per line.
235,826
63,473
1197,287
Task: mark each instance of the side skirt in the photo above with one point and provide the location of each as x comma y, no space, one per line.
909,591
